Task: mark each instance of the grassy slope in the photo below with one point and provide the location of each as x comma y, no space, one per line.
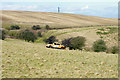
28,18
89,33
34,60
22,59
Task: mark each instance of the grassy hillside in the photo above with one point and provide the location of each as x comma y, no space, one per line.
28,18
23,59
90,33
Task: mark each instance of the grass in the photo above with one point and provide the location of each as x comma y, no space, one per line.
53,19
22,59
107,30
7,25
90,33
61,32
109,35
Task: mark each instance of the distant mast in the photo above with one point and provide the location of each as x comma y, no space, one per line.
58,9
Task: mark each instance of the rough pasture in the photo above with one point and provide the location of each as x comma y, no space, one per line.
23,59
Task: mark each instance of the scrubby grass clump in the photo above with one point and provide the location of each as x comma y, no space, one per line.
108,30
47,27
28,36
39,34
2,34
36,27
114,49
99,46
50,40
14,27
77,43
109,35
66,42
14,34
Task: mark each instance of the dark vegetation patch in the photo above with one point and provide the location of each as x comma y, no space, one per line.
39,34
74,43
99,46
27,36
14,27
2,34
36,27
114,49
47,27
50,40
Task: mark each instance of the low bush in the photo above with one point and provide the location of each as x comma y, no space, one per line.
99,46
98,32
114,50
66,42
14,27
101,29
47,27
14,34
36,27
7,27
50,40
77,43
28,36
2,34
39,34
101,37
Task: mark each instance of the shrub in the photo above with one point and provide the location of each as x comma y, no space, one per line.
39,34
47,27
99,46
14,27
66,42
2,34
36,27
28,36
77,43
98,32
7,28
15,34
114,50
50,40
101,29
101,37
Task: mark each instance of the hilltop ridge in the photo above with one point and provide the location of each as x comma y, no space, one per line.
54,19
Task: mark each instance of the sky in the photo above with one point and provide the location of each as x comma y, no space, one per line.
101,8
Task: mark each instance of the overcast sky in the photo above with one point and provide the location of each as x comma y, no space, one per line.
59,0
102,8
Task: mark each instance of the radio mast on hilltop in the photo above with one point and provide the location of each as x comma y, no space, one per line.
58,9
